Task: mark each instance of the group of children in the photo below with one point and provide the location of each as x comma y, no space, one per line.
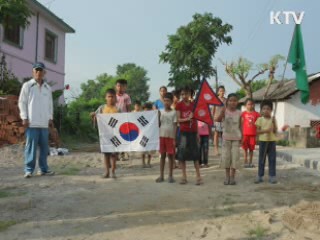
186,139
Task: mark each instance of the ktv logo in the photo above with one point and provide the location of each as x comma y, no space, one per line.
285,17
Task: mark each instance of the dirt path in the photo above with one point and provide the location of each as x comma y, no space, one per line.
78,204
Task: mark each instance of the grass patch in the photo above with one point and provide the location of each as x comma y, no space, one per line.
4,193
69,171
80,143
258,232
4,225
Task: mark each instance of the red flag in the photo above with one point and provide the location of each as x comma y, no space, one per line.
205,98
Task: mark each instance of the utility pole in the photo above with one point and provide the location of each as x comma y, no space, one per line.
216,75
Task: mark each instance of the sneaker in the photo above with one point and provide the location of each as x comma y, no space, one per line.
27,175
47,173
273,180
258,180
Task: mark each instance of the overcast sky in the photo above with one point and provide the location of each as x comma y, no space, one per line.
112,32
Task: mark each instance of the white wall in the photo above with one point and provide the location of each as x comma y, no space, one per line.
297,113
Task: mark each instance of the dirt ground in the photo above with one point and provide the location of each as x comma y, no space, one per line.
77,203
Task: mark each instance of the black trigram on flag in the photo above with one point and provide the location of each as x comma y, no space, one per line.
115,141
112,122
143,121
144,141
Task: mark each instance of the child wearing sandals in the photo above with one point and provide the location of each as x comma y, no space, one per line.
188,149
109,107
231,138
168,126
249,130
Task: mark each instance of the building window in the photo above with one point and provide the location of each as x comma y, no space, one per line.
51,46
13,34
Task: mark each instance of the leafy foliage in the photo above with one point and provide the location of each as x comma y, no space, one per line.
9,83
256,85
191,49
17,11
136,76
240,69
73,119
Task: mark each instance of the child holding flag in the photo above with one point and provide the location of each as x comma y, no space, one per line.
248,120
109,107
267,129
188,149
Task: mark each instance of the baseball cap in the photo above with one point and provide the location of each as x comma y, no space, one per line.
39,65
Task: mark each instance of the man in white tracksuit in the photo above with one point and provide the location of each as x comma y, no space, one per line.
36,112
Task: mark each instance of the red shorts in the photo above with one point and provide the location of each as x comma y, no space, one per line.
249,142
167,145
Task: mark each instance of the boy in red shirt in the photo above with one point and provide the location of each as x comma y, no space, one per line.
248,119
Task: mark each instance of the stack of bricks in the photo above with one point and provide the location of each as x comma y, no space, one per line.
11,128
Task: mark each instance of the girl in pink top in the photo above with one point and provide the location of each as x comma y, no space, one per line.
203,131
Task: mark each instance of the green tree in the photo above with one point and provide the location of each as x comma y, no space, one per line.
255,86
74,119
191,49
136,76
9,83
14,12
239,72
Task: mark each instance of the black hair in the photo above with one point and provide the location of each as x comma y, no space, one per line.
187,89
176,93
148,106
221,87
163,87
137,102
266,103
122,81
248,100
230,95
169,96
110,91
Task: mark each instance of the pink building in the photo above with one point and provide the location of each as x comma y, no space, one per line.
43,40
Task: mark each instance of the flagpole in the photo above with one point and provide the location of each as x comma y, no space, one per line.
284,71
279,87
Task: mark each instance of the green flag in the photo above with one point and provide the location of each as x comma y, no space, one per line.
296,57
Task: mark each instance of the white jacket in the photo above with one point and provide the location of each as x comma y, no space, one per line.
35,104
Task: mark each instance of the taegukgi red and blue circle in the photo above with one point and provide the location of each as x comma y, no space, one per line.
129,131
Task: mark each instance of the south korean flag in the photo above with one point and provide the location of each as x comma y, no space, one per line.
129,132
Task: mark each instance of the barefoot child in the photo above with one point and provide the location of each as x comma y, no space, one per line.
267,129
231,138
248,120
148,154
168,126
188,149
109,107
216,112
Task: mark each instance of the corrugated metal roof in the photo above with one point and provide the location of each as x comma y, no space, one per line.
278,92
